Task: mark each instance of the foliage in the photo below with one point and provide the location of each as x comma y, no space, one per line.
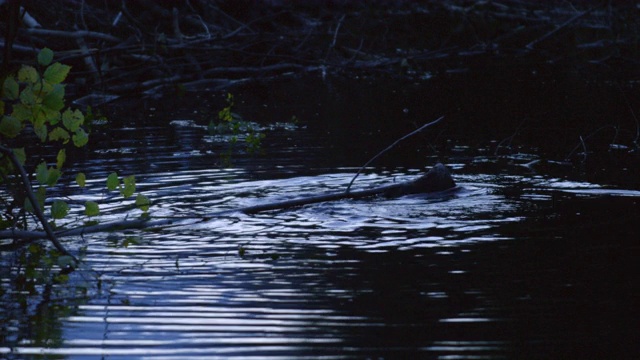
32,107
230,123
34,122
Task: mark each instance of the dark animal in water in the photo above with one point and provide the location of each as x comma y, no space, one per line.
438,179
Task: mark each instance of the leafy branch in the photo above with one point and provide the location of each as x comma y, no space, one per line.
32,104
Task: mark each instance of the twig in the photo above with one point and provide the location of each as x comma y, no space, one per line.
248,25
335,38
633,113
389,148
584,149
583,138
89,61
356,52
175,22
551,33
36,208
509,138
335,34
73,34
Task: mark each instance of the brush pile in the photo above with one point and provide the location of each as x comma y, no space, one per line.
150,47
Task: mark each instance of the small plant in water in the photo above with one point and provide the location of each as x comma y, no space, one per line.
236,128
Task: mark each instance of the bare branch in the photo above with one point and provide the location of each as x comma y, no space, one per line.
72,34
389,148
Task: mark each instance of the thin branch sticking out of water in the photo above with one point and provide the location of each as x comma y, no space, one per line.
389,148
583,139
633,114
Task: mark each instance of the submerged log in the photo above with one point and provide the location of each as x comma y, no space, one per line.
438,179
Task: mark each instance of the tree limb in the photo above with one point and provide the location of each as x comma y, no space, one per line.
73,34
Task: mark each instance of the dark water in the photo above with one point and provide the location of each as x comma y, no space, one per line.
517,264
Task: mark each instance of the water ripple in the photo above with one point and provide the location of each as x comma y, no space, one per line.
320,281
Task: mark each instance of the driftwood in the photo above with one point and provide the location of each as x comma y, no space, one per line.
436,182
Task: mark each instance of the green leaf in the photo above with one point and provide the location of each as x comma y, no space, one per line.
27,97
41,131
59,134
54,100
45,56
91,208
112,181
59,209
40,195
20,155
28,74
49,115
72,119
225,114
11,89
80,138
41,88
129,186
53,116
61,158
22,112
10,126
81,179
39,117
56,73
54,175
142,202
42,173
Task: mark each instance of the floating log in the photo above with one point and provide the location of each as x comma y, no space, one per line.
438,179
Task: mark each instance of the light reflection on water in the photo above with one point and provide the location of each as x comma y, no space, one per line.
412,276
188,288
